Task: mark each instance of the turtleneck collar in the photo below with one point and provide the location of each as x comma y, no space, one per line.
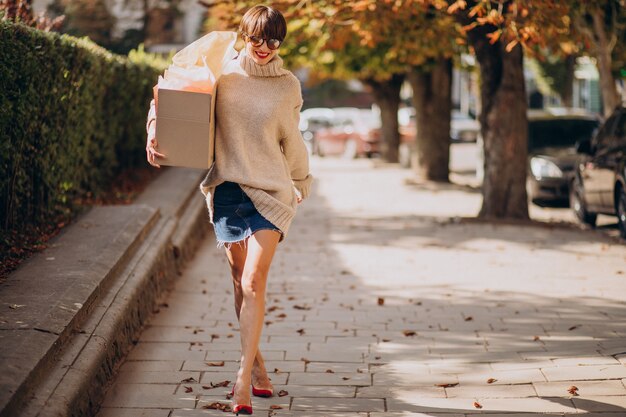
274,68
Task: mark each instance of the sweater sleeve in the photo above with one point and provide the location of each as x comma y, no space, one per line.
296,153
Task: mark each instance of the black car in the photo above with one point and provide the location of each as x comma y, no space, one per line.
599,186
552,140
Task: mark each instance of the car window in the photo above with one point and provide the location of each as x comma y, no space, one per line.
601,140
559,132
619,138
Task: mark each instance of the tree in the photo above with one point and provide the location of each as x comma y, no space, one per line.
499,31
376,42
602,23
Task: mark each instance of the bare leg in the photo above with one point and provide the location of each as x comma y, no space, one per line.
261,247
236,255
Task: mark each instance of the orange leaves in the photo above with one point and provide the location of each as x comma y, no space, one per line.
457,5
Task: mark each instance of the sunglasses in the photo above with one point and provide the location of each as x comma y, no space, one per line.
257,41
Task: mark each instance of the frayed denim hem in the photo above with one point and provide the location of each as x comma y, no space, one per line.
244,241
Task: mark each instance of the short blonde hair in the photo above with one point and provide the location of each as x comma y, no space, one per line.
264,21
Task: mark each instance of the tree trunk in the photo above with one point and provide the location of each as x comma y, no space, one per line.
504,127
432,99
387,97
567,93
604,48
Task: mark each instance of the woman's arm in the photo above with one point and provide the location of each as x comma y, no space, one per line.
296,153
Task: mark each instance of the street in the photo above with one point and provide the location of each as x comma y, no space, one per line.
380,303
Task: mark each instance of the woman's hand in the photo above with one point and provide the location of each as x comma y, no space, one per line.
151,146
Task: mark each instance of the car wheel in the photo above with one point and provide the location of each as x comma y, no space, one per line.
577,203
350,149
621,211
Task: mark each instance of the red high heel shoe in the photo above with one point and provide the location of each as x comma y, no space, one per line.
262,392
243,409
240,408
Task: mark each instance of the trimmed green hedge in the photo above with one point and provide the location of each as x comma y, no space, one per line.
72,116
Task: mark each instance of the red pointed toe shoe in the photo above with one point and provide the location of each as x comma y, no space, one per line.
242,408
262,392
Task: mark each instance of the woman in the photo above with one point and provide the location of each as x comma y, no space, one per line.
260,174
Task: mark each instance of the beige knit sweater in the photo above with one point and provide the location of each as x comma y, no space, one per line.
257,140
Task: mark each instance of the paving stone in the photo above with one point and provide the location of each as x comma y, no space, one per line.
585,388
466,405
491,391
229,366
586,360
132,412
575,373
146,396
283,413
325,356
337,378
316,391
350,367
394,391
163,351
427,380
338,404
601,403
155,377
410,414
163,365
520,376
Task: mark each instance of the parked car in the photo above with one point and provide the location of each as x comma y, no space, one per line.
463,128
312,120
599,184
553,135
350,133
552,156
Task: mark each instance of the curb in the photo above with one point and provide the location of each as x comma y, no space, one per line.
66,369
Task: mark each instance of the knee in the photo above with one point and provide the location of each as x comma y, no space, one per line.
253,283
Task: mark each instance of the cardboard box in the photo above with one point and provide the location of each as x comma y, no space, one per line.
185,128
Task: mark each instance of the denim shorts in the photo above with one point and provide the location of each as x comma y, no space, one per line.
234,216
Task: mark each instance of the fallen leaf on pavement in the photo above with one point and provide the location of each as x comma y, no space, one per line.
277,371
470,318
536,338
281,316
282,393
573,390
218,406
449,385
219,384
409,333
386,340
221,363
330,371
345,378
491,380
381,301
477,405
191,379
275,407
14,306
188,389
301,331
574,327
301,307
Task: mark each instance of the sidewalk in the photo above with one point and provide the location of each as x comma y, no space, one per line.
380,305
